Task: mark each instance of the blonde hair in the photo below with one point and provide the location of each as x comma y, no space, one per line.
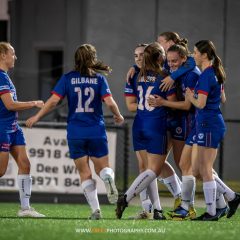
4,47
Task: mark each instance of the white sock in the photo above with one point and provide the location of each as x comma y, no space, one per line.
152,190
106,172
209,189
140,183
25,187
146,202
193,192
179,181
224,189
90,192
172,185
188,191
220,201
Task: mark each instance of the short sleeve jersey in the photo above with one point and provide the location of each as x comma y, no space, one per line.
209,86
85,95
8,119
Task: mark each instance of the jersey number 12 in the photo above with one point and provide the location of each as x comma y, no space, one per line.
88,92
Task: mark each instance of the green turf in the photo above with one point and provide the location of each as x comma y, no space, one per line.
68,222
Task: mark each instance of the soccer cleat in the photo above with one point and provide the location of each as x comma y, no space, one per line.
96,215
221,212
233,205
158,215
30,212
206,217
177,202
121,205
112,192
192,212
142,215
180,214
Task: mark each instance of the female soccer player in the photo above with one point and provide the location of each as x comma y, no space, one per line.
85,89
11,138
168,174
210,127
183,123
149,130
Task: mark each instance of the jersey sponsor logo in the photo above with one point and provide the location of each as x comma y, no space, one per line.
201,135
128,90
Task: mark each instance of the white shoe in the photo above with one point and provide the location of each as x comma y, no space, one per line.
112,192
31,212
96,215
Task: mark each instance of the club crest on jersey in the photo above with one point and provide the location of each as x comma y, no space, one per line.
178,130
200,135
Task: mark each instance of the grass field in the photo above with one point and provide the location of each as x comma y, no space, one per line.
69,222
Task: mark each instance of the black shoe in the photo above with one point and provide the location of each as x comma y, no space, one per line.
158,215
221,212
233,205
206,217
121,205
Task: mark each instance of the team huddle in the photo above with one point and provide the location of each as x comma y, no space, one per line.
179,110
176,97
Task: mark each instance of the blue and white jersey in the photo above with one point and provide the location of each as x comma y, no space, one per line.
85,95
142,89
8,119
210,115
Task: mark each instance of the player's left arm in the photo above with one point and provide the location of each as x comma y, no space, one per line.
223,96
